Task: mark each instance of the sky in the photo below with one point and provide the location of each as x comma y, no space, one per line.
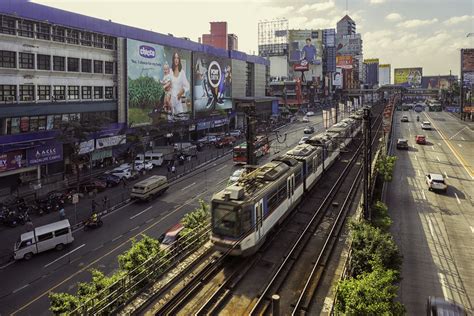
403,33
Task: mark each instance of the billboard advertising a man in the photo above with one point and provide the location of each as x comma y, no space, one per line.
437,82
158,83
408,77
212,84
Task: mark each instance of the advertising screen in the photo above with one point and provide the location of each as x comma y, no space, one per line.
344,61
212,85
437,82
337,79
158,83
408,77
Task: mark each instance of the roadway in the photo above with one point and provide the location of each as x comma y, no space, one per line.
26,284
434,230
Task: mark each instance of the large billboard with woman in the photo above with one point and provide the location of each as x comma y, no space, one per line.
212,84
159,79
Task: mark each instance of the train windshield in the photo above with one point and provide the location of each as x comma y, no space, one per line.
225,220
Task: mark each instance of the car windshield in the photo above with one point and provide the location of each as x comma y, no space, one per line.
438,181
168,240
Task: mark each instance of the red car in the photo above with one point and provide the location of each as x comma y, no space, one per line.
225,141
420,139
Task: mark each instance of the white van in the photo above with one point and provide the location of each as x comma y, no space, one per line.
155,158
55,235
149,188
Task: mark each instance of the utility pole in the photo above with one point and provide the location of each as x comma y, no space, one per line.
461,86
249,110
366,162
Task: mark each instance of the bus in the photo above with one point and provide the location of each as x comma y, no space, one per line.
262,147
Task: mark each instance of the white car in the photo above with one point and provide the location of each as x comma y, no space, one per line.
436,182
236,175
303,140
426,125
140,165
235,133
122,172
310,113
305,119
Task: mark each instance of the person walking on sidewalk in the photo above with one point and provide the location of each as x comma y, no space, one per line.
62,213
173,170
105,201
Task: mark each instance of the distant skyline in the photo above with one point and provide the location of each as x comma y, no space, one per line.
403,33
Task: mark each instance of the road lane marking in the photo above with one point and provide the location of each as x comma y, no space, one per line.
188,186
462,138
117,238
6,265
437,158
460,145
446,175
20,288
430,226
67,254
221,168
137,227
457,198
141,212
458,133
423,194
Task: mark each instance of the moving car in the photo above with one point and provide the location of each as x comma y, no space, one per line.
308,130
426,125
122,172
435,182
110,179
303,140
310,113
305,119
420,139
236,175
404,118
225,141
149,188
170,240
155,158
208,139
402,143
438,306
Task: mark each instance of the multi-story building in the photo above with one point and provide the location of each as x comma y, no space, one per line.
384,74
349,43
346,26
371,72
57,66
232,42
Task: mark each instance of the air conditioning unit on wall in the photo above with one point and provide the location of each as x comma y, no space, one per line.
26,98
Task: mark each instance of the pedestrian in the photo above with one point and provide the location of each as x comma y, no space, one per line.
105,201
62,213
173,169
29,225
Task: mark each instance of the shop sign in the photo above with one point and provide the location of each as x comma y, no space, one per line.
203,125
110,141
86,147
101,154
45,154
12,160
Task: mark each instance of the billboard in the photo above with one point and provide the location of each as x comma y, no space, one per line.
12,160
306,44
337,78
349,45
371,61
344,61
158,83
384,74
468,78
44,154
467,59
408,77
212,84
437,82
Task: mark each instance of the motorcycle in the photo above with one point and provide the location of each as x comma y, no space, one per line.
91,223
417,118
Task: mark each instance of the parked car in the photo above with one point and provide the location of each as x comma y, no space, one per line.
308,130
111,179
122,172
420,139
225,141
92,185
404,118
402,144
236,175
143,165
310,113
435,182
303,140
426,125
235,133
305,119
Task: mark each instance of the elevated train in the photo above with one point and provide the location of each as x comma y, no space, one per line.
244,213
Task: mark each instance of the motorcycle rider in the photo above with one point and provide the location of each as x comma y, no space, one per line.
417,118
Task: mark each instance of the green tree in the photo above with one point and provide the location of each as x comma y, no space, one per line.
196,225
380,216
385,165
369,246
132,261
370,293
63,303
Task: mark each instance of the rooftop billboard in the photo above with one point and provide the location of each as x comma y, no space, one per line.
408,77
344,61
158,83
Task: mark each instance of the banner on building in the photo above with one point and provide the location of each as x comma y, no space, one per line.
337,78
344,61
468,78
45,154
86,147
371,61
437,82
467,58
408,77
110,141
12,160
158,83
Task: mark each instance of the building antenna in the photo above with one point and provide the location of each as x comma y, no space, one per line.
347,10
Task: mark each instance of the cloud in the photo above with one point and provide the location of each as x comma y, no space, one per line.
416,23
376,1
458,19
393,17
318,7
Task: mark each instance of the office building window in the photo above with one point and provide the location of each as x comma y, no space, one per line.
109,42
72,64
109,92
86,39
59,63
7,25
73,92
44,62
43,31
59,92
86,93
41,123
98,66
109,67
86,65
98,92
7,93
72,36
44,92
7,59
25,28
59,33
33,123
98,41
27,92
26,61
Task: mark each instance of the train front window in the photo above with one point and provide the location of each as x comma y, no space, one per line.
225,220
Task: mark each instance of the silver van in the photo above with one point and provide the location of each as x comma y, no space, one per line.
149,188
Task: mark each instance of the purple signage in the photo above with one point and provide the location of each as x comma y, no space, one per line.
12,160
50,152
